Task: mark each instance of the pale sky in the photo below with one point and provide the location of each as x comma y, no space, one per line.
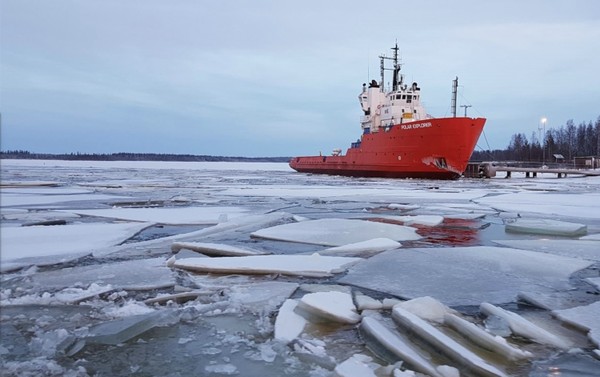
281,78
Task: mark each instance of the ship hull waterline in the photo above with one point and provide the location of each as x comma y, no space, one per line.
436,148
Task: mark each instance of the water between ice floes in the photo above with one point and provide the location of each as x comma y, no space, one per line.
215,330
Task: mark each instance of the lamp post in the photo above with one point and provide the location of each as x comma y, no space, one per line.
543,121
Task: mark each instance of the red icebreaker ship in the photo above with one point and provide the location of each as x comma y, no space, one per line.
400,140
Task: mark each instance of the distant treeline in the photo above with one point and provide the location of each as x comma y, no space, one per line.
568,140
133,157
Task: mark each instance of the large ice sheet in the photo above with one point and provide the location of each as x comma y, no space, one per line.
546,226
44,241
464,275
584,317
171,215
583,249
583,205
336,232
302,265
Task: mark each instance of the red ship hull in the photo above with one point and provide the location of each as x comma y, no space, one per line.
436,148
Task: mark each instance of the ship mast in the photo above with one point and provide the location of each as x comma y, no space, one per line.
454,94
396,69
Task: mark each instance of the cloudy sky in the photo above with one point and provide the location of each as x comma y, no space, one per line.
280,78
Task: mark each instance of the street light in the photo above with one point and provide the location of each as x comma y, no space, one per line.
543,121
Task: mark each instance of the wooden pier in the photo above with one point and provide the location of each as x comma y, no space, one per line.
489,170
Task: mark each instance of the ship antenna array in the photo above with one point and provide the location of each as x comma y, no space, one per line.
395,69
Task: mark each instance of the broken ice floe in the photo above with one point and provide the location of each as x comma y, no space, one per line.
261,297
586,318
237,224
546,226
214,249
301,265
363,249
336,232
41,245
484,339
491,274
175,216
522,327
330,306
288,324
120,330
389,345
356,366
444,343
143,274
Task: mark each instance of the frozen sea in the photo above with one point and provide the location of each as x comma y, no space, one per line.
252,269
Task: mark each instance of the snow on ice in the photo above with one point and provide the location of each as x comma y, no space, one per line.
336,232
300,265
113,299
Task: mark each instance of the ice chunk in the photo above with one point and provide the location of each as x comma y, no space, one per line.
427,308
331,306
123,329
444,343
354,366
568,248
465,216
522,327
365,302
463,275
546,226
50,245
336,232
302,265
484,339
363,249
389,345
288,324
448,371
426,220
214,249
263,296
585,317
